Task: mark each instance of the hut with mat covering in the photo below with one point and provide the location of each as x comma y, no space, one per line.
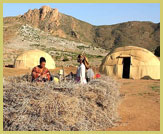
131,62
31,58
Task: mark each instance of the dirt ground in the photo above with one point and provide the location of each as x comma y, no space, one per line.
140,106
139,109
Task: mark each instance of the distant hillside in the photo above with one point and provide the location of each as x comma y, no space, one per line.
143,34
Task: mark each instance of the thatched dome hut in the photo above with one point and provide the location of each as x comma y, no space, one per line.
131,62
31,58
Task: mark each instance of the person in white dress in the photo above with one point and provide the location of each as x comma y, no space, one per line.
81,70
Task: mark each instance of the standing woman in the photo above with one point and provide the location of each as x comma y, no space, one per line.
81,71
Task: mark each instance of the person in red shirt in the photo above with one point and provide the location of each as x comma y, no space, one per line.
40,73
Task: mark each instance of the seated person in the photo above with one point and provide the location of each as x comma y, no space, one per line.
84,73
89,74
40,73
81,70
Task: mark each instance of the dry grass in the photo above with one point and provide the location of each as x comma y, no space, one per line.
59,107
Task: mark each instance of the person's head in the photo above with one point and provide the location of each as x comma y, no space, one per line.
42,62
84,60
80,58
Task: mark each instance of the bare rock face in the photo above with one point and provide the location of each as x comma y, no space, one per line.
55,16
44,10
45,13
32,16
59,33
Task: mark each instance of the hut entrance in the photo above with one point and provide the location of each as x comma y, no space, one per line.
126,67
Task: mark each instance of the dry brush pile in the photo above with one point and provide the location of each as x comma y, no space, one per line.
59,107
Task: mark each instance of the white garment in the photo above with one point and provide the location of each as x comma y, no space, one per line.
81,73
90,74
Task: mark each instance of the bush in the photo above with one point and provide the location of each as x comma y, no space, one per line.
65,58
57,57
67,106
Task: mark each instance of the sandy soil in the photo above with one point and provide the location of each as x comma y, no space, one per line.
140,106
139,109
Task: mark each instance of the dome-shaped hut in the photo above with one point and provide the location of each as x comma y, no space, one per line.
31,58
131,62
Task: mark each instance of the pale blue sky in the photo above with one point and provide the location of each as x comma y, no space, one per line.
96,14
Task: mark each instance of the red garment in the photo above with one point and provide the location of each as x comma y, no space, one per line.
40,74
98,76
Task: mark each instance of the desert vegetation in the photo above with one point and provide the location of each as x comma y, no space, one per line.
64,106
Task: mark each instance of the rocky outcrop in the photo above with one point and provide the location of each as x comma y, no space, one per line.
45,13
134,33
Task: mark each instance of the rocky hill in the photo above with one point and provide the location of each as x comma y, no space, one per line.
49,25
63,51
